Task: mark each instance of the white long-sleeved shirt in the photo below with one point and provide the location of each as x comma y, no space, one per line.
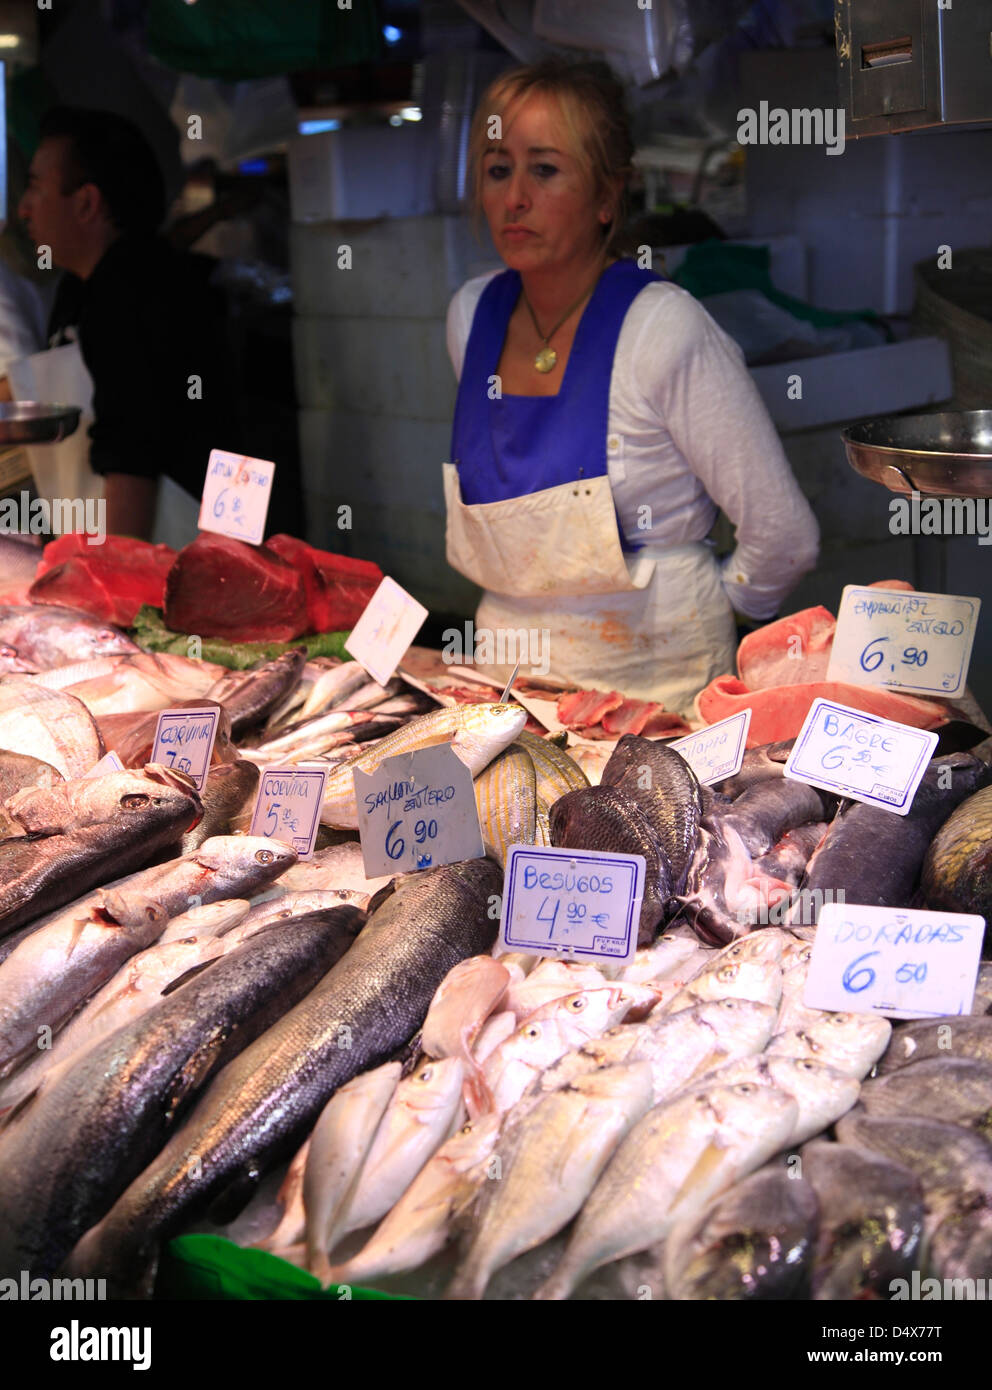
688,433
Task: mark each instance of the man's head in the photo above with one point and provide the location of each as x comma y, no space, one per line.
93,178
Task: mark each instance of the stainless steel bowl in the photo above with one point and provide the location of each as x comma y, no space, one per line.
31,422
947,454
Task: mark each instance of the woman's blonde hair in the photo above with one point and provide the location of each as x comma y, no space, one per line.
591,103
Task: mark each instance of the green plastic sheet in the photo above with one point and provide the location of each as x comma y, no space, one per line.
212,1268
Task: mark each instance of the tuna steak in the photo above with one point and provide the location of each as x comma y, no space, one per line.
220,587
337,588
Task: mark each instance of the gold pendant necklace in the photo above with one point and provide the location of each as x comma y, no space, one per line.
547,359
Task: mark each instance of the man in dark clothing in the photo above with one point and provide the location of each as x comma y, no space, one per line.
149,327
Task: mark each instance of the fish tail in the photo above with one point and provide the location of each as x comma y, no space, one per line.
559,1285
469,1283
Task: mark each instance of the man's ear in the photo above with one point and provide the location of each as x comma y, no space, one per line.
90,204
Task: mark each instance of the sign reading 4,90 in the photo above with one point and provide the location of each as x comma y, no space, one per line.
571,902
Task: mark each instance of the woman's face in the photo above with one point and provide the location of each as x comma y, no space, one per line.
541,211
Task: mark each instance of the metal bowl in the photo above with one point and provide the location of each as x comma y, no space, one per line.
31,422
947,454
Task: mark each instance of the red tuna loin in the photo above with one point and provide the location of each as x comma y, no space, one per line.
793,651
103,587
337,588
220,587
779,713
121,550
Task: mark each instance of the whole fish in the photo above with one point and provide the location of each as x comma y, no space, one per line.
888,875
756,1241
128,817
551,979
680,1048
333,686
75,951
262,1104
423,1111
248,696
210,919
339,1146
317,736
290,1201
420,1224
476,733
289,905
134,989
746,969
955,1089
555,771
606,818
227,796
506,799
850,1043
119,1103
871,1221
762,814
52,636
954,1166
547,1034
549,1161
465,998
48,724
963,1036
822,1093
667,790
339,866
675,1160
670,957
957,871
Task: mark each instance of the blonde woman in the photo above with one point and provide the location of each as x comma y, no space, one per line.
602,418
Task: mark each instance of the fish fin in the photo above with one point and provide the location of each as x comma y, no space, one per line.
195,1071
188,975
707,1162
7,1117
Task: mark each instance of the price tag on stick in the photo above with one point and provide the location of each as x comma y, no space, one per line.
916,642
902,963
860,756
417,810
572,903
184,739
718,751
288,804
382,635
235,498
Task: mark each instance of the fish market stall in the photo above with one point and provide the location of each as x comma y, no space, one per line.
238,1050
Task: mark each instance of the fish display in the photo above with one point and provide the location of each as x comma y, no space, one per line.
198,1026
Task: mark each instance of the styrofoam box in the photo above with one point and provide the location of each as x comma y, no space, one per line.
361,172
847,386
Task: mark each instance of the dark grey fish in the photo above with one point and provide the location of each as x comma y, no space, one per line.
720,861
228,794
73,1146
871,1220
606,818
957,873
668,793
787,859
954,1166
759,765
143,813
963,1036
755,1241
763,813
262,1105
955,1089
874,857
248,696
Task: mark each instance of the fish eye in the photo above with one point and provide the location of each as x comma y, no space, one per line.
264,856
807,1065
134,801
746,1088
466,1129
426,1074
577,1004
728,973
532,1031
728,1003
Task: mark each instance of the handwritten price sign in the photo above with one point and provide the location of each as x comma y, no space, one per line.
287,806
571,902
184,739
920,643
717,751
859,756
416,811
901,963
236,492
